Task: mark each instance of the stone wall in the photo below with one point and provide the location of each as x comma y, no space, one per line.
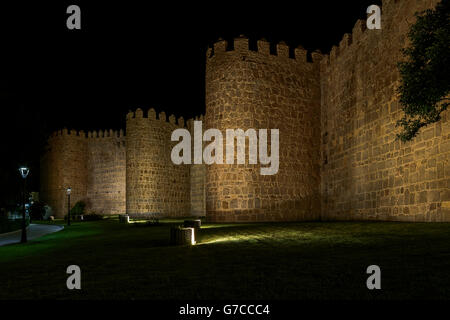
63,166
106,172
254,89
92,165
102,167
367,173
198,179
153,183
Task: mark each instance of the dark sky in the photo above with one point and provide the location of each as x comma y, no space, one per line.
129,55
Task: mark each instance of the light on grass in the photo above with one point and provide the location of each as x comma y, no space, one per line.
239,238
221,225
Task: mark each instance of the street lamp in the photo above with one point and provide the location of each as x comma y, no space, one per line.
69,190
24,171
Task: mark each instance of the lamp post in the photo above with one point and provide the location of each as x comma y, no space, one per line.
69,190
24,171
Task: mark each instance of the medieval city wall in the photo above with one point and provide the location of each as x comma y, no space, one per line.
102,166
256,89
367,174
339,156
92,164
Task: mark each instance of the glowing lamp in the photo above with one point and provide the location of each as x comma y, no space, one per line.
24,171
182,236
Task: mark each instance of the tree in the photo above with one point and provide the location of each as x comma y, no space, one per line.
425,73
78,208
37,210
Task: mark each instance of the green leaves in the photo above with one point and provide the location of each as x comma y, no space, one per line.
78,208
425,73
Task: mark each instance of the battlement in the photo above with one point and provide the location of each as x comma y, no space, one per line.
392,13
106,134
68,133
389,18
263,47
86,135
190,122
348,42
151,115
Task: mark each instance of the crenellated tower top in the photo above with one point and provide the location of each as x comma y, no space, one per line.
280,50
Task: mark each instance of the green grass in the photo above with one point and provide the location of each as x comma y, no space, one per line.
317,260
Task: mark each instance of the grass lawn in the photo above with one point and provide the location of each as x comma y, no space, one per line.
318,260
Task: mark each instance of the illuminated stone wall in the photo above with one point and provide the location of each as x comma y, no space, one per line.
198,179
255,89
103,167
336,114
153,183
106,172
366,172
92,164
63,165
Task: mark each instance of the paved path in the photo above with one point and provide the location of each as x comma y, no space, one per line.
33,231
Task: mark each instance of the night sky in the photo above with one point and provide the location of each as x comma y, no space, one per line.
129,55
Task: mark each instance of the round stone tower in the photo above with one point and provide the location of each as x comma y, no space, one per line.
153,183
264,89
63,166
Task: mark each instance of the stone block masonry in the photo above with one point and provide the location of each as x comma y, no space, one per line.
92,164
154,183
63,165
367,174
255,89
336,115
197,178
115,174
106,178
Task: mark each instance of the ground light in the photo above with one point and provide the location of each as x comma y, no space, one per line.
192,236
182,236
